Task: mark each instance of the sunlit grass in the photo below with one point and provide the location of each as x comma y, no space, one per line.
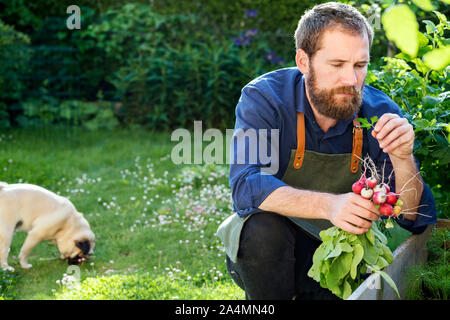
152,219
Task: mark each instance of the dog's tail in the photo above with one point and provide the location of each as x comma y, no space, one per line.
2,184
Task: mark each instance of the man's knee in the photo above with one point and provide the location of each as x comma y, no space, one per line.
267,234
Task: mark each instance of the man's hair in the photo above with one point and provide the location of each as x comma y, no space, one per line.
325,16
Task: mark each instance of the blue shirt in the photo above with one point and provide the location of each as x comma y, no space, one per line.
272,101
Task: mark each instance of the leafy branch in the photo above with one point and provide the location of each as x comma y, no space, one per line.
368,124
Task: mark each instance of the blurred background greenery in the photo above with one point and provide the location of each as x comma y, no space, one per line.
163,64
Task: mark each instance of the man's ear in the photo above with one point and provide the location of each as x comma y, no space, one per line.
302,61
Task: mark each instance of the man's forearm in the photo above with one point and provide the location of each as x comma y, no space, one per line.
408,183
297,203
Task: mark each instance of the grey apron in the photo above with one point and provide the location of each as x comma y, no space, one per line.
309,170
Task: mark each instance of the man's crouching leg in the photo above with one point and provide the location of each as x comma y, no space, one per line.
266,262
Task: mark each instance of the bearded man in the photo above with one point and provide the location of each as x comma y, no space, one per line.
272,236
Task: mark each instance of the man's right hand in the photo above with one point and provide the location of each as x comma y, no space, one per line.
352,213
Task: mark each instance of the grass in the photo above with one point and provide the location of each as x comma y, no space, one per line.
152,218
154,221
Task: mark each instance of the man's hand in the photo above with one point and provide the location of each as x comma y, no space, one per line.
395,135
352,213
396,138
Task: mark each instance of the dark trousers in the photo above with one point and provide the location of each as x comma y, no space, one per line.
273,260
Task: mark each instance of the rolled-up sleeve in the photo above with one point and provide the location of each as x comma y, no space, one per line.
249,183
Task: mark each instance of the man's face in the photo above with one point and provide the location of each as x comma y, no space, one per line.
336,74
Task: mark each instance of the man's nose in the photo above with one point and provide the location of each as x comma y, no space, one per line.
349,77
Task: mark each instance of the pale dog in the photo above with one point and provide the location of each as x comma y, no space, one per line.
44,216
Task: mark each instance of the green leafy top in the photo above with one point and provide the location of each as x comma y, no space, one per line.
368,124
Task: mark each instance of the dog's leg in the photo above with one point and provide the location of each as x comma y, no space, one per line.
31,241
6,236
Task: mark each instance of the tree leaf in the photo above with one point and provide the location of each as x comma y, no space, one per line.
358,253
347,290
370,254
387,254
401,26
381,262
424,4
346,247
336,252
389,281
373,120
437,59
341,265
369,236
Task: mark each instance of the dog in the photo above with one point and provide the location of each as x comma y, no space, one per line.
45,216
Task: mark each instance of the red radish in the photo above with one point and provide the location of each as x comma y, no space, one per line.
379,197
362,180
391,198
382,187
367,193
386,209
371,182
357,187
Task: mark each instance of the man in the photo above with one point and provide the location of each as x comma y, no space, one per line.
274,233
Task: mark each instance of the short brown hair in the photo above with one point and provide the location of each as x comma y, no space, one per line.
323,16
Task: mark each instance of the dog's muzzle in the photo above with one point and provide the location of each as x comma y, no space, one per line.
77,260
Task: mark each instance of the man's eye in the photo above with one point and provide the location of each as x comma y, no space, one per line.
337,65
360,66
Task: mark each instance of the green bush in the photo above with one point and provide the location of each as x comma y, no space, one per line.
7,283
146,287
167,71
430,280
49,111
277,19
423,94
14,59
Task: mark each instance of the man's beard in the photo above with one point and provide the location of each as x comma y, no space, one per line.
327,104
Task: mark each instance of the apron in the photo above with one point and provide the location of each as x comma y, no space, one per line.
309,170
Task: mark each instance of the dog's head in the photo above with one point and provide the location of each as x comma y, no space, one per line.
76,243
85,249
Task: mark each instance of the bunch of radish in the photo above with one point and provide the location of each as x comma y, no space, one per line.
387,202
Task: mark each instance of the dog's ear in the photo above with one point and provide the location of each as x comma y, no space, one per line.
84,245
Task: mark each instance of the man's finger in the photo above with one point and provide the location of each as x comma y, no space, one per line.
352,229
368,206
405,139
383,119
389,127
400,133
359,222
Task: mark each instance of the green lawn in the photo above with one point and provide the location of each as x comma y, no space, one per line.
154,221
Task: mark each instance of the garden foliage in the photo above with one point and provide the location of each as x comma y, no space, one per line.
167,71
430,280
13,62
342,260
164,69
418,83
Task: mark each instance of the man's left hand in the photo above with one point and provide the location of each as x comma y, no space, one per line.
395,135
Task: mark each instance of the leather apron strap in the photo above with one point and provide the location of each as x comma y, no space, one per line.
356,150
357,146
